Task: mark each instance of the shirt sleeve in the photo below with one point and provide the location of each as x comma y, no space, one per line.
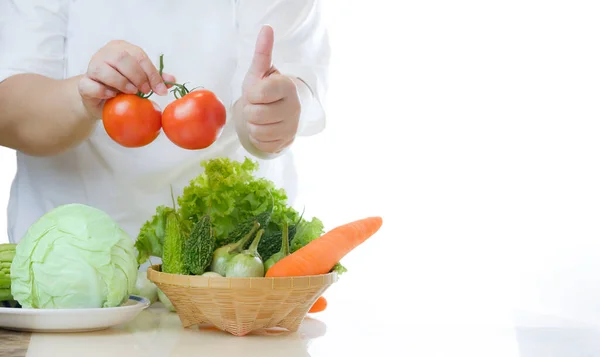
32,37
301,49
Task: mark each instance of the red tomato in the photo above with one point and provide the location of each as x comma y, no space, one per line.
194,121
131,121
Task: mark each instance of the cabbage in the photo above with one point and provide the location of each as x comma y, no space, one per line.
74,256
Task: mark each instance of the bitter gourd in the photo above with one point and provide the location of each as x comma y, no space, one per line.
283,252
263,218
271,242
199,247
173,256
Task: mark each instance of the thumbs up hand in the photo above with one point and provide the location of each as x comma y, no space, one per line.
270,104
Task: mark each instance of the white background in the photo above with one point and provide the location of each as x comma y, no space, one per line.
471,127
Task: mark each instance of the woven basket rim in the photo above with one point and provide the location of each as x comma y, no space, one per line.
157,276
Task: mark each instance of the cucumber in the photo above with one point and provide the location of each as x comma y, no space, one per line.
7,246
5,282
199,247
7,255
5,295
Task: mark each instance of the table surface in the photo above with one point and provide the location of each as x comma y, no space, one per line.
341,330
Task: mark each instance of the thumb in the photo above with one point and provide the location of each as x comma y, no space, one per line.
263,52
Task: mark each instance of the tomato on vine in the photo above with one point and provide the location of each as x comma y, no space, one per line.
132,120
195,120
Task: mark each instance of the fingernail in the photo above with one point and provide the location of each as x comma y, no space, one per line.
161,89
110,93
131,88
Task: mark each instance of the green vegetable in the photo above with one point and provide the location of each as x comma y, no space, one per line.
7,255
151,238
5,281
284,251
229,192
271,241
7,247
173,249
74,256
339,268
248,263
165,301
242,228
199,247
5,295
145,288
222,255
306,232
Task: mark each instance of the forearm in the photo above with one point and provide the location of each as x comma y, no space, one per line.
41,116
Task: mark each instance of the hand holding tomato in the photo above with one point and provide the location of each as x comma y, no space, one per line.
270,104
119,67
193,121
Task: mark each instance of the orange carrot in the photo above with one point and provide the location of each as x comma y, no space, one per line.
319,305
321,254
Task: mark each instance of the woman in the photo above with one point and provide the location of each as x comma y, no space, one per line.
61,59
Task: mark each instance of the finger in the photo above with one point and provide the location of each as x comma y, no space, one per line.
154,78
272,147
169,78
263,52
109,76
266,146
267,132
125,64
271,90
89,88
261,114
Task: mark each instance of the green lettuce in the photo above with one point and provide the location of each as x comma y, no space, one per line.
150,240
229,192
306,232
74,256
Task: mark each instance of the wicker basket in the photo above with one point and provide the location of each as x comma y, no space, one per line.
241,305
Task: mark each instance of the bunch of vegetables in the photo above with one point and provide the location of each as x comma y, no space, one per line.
227,222
231,224
193,121
7,254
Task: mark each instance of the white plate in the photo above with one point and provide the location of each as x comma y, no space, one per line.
71,320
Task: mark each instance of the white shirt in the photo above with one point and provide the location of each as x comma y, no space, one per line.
206,43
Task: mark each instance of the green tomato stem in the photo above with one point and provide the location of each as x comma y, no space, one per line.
180,88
